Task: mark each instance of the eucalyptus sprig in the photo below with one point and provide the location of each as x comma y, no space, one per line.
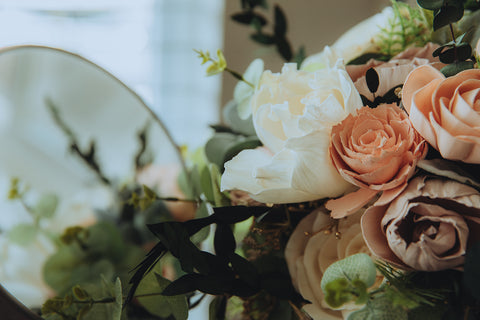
249,16
456,53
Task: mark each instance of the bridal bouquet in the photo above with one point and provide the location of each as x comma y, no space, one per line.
345,186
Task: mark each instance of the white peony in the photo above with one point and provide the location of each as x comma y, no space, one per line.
293,113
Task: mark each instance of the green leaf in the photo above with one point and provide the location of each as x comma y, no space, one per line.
220,199
201,235
46,206
300,56
247,17
217,308
380,308
249,143
162,306
224,241
216,147
430,4
471,275
358,266
237,124
280,28
284,48
464,51
372,80
446,15
263,38
456,67
23,234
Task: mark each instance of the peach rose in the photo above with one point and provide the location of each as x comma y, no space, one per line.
310,251
446,111
427,227
376,150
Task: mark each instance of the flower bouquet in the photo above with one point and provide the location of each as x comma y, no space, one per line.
344,187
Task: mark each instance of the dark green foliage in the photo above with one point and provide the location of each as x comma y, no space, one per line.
279,36
372,80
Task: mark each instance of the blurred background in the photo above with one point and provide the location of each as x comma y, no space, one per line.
148,45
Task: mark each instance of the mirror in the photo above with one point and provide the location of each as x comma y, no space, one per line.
51,102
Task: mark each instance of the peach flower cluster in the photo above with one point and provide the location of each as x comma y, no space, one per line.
376,150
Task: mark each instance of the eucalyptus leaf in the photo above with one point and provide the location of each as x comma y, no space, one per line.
379,308
23,234
149,295
448,169
356,267
237,124
280,27
247,17
217,308
201,235
284,48
224,241
46,206
263,38
456,67
372,79
430,4
446,15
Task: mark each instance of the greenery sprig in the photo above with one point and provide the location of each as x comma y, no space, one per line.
456,53
408,27
249,16
88,156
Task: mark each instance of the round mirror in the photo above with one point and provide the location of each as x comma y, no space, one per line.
69,128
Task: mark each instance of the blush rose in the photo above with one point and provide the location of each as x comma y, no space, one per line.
446,111
377,150
427,227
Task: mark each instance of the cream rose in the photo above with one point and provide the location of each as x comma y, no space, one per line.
446,111
427,227
310,251
293,113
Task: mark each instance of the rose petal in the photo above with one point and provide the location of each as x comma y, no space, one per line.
349,203
418,78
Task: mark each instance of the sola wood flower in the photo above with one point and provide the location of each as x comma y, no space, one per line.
427,227
446,111
376,150
310,251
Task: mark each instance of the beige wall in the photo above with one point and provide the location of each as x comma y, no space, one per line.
313,23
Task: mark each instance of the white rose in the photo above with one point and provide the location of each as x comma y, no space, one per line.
353,43
293,113
310,251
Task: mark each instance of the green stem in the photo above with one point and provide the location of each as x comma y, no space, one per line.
173,199
239,77
454,41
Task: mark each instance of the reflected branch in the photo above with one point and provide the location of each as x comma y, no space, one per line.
87,156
